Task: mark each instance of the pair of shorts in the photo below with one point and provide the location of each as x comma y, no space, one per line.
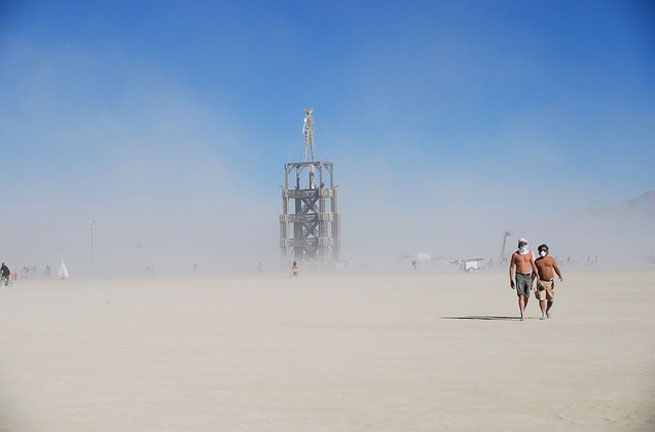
548,293
523,284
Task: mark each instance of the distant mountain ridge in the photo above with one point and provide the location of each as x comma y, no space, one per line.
641,206
619,232
644,203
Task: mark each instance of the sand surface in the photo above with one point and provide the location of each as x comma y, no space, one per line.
411,352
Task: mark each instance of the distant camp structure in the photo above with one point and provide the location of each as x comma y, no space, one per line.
502,258
63,271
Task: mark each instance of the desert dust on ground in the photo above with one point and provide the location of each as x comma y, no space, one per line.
396,352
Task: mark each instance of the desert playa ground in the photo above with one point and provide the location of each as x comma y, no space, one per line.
407,352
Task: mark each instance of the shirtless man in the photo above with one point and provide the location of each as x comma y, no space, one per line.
546,288
523,260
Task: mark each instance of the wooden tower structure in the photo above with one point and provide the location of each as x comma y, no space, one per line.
309,223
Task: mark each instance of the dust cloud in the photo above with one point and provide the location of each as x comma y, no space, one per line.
173,187
166,199
164,204
462,215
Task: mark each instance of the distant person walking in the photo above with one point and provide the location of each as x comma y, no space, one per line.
294,270
546,287
523,261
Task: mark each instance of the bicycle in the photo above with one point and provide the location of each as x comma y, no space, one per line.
6,281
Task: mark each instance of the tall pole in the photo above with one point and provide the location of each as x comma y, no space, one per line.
91,228
502,250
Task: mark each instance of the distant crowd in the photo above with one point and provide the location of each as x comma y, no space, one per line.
27,272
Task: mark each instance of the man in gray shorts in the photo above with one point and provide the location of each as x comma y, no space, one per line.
523,261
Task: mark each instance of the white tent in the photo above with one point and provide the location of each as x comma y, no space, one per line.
63,271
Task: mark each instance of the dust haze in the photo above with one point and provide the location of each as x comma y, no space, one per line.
171,187
158,210
461,216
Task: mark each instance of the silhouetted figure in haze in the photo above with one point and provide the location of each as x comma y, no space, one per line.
46,272
294,270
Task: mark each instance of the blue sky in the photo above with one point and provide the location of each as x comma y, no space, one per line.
450,83
489,101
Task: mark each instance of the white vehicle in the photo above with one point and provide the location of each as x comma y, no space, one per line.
470,265
422,258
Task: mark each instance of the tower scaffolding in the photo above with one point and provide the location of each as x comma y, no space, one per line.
310,222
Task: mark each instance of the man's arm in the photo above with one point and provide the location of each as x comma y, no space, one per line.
557,270
511,268
533,276
534,270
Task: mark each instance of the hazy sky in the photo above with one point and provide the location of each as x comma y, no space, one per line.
176,117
